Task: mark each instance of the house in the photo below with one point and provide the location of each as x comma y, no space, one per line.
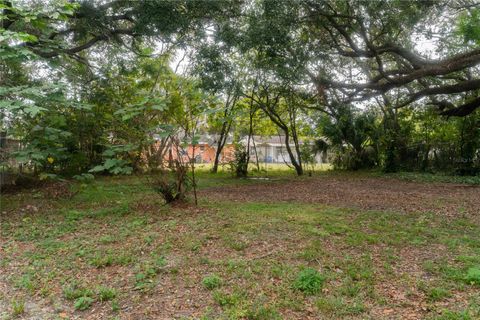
204,150
269,149
206,147
272,149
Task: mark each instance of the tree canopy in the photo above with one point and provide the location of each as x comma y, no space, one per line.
90,85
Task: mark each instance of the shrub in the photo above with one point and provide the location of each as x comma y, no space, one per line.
172,184
309,281
211,282
84,177
239,165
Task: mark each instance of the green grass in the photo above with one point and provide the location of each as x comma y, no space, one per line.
473,276
430,177
212,282
18,307
116,246
106,293
309,281
83,303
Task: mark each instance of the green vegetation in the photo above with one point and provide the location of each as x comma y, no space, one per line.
146,111
309,281
106,294
83,303
304,258
237,159
473,275
18,307
212,282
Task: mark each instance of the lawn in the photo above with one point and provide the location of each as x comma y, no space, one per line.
330,246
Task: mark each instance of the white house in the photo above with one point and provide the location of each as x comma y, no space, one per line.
273,149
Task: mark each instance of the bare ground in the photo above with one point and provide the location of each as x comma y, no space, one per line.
366,193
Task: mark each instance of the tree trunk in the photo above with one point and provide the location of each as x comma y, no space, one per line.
250,134
296,164
218,152
194,181
226,125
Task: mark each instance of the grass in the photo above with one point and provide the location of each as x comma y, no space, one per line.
115,249
309,281
437,177
473,276
212,282
18,307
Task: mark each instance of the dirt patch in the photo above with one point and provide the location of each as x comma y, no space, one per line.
365,193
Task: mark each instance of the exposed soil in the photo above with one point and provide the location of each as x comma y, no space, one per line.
366,193
179,293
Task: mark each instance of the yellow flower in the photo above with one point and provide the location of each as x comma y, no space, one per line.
50,160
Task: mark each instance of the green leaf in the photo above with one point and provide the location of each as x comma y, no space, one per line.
110,163
108,153
97,169
33,110
160,107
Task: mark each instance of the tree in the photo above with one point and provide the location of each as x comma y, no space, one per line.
283,114
355,137
375,39
220,74
126,23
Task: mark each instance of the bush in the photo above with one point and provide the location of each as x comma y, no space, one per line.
211,282
239,165
172,184
309,281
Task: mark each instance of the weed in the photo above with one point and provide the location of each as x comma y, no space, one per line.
339,307
83,303
18,307
102,260
309,281
437,294
224,299
107,239
115,306
454,315
74,291
106,294
27,281
144,281
350,288
473,276
212,281
236,244
262,313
